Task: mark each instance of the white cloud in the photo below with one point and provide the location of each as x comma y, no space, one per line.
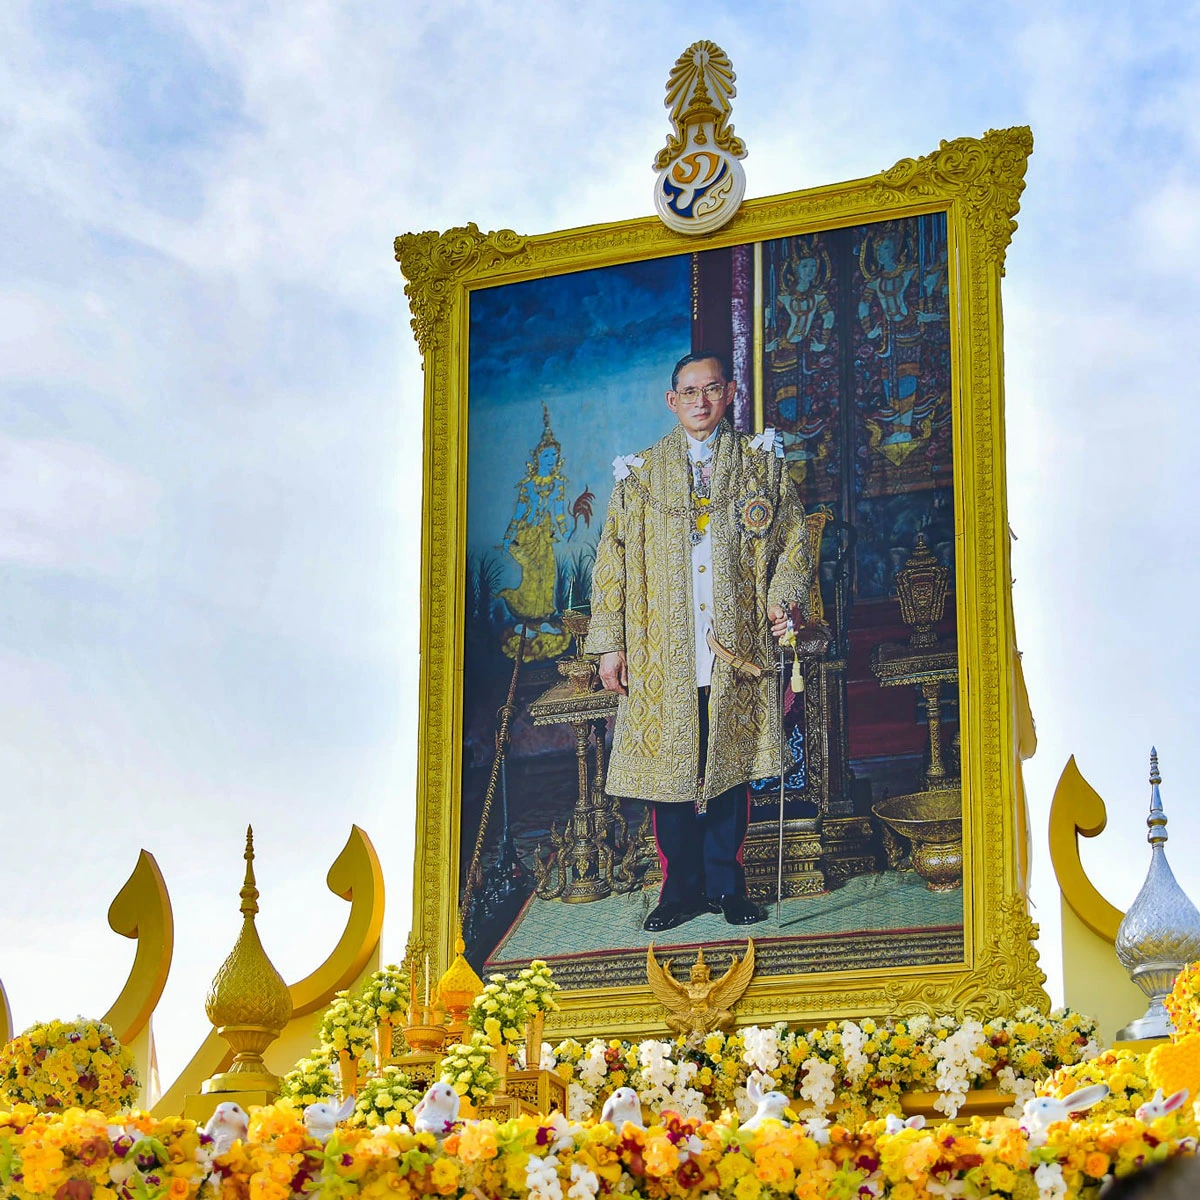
66,507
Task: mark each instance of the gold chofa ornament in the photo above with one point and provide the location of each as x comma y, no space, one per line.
703,1004
699,181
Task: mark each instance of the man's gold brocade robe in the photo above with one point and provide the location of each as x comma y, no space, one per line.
642,604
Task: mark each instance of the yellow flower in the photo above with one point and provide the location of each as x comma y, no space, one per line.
731,1168
1176,1065
444,1176
748,1188
477,1142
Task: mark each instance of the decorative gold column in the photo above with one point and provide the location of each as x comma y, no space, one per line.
248,1003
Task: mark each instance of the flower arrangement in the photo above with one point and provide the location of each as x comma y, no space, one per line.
467,1068
1183,1002
537,987
862,1068
77,1155
499,1011
1123,1070
385,1099
385,995
310,1081
347,1026
59,1065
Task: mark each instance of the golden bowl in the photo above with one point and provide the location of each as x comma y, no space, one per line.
576,623
932,822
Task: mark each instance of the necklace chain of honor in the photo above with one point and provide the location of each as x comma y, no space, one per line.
695,511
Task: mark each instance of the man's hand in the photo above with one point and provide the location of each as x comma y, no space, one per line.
614,671
779,621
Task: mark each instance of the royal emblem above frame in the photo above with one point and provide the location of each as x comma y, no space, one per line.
862,322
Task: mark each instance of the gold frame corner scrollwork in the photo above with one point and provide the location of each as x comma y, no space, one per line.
978,183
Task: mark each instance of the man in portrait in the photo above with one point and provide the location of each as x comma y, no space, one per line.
702,561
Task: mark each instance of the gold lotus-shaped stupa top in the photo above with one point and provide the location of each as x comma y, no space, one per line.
247,990
459,986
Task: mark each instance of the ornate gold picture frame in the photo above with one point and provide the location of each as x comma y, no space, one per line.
976,184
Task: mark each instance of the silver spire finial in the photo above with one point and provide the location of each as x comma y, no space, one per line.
1157,820
1160,933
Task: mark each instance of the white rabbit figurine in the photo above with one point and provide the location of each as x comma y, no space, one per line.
437,1111
227,1125
321,1119
895,1124
1043,1111
621,1107
1156,1106
771,1105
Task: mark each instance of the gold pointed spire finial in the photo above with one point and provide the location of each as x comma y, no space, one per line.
248,1003
249,887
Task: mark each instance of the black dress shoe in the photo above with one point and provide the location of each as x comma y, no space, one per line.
674,912
739,910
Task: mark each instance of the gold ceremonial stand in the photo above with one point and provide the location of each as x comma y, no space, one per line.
593,856
931,820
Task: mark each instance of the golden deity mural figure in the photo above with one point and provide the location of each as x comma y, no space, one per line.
804,299
539,520
801,323
892,321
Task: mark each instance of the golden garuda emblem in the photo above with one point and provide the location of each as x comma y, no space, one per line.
703,1004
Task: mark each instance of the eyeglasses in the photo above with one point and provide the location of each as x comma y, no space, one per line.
712,391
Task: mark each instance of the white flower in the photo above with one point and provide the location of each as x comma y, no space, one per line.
817,1128
762,1049
1050,1181
584,1184
853,1040
1021,1088
818,1088
955,1187
593,1067
541,1178
957,1065
580,1102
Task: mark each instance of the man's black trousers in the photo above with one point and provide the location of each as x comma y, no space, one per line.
701,854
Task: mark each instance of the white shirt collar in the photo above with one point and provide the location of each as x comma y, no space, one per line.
699,450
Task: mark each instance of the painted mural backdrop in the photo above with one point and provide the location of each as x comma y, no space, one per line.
568,372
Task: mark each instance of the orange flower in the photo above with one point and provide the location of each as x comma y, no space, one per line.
1096,1165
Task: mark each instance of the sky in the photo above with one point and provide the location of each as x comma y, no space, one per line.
210,405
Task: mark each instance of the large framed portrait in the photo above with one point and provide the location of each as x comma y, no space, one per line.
851,336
